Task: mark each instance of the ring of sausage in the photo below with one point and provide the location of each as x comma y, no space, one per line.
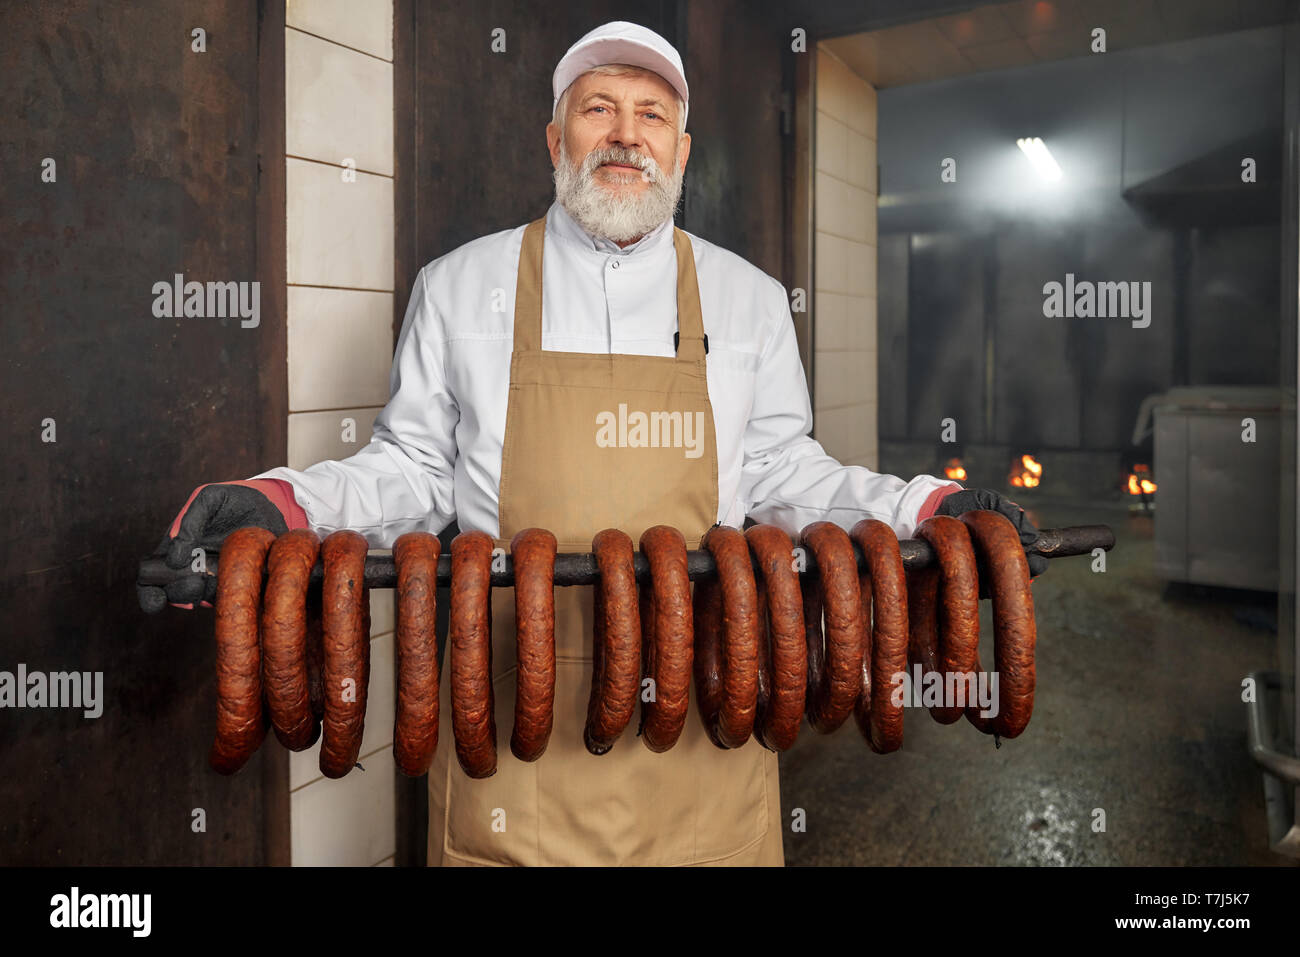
241,725
473,720
315,651
415,724
726,640
883,588
834,662
667,644
783,650
922,618
616,645
1014,630
346,672
284,638
763,662
533,553
957,617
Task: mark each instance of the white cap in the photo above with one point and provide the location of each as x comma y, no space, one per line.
621,42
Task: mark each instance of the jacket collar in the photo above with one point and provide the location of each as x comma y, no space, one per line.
562,224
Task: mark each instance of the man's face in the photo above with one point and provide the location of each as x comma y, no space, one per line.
618,159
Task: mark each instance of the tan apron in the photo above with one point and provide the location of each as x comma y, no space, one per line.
694,804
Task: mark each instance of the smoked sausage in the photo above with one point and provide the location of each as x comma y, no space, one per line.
415,724
473,720
284,638
763,699
922,618
240,722
1014,631
726,640
533,553
666,638
616,645
315,653
346,671
883,589
834,662
783,650
958,610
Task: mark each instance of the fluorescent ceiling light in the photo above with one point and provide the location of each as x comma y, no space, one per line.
1040,157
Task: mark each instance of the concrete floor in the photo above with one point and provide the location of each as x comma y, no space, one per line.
1137,712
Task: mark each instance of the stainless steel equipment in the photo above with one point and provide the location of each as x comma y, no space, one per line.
1218,467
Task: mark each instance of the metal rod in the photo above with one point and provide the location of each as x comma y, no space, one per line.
1259,733
579,568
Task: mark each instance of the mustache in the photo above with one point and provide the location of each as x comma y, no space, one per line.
623,157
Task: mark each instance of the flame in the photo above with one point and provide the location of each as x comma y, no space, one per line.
1137,486
1030,474
955,470
1138,483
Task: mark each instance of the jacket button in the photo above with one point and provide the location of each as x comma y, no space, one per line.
614,264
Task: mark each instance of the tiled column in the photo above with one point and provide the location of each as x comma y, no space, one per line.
844,318
339,197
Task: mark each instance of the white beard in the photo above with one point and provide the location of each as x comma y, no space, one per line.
619,217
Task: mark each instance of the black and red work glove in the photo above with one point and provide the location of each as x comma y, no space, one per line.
211,513
971,499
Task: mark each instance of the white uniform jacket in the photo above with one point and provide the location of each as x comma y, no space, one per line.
435,453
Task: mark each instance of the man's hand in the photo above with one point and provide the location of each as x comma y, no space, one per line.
212,513
971,499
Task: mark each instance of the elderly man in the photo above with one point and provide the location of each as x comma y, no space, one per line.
513,348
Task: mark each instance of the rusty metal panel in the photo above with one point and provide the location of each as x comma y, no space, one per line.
480,168
481,163
157,174
733,188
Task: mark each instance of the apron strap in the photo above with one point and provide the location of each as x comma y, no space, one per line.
690,317
528,295
528,289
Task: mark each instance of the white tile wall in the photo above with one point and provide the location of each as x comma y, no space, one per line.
832,264
845,322
349,821
845,266
844,319
330,98
996,56
862,162
339,234
845,95
924,49
340,347
304,766
841,431
381,607
845,210
839,381
339,105
366,26
832,145
317,436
